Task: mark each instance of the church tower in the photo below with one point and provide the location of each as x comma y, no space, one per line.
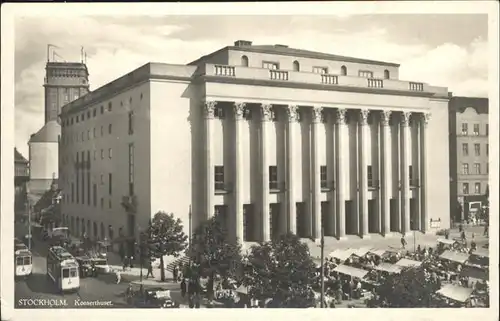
64,82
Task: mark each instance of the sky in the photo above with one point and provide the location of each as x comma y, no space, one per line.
449,50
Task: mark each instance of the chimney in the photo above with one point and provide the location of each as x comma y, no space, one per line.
242,43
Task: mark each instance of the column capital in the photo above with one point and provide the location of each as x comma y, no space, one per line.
239,109
293,113
425,118
341,116
363,117
317,113
209,108
405,118
385,117
267,112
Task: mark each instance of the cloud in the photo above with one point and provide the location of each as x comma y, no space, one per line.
117,45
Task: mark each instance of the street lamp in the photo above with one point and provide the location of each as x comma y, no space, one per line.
322,275
414,236
29,217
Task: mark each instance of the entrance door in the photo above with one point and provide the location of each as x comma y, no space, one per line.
326,219
350,219
414,221
393,209
274,217
301,220
372,216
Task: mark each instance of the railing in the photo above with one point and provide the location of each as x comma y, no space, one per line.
416,86
375,83
278,75
222,188
329,79
221,70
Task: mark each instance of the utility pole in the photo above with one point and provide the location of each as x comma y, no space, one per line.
29,216
322,275
190,235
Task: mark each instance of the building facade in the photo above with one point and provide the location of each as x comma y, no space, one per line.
469,160
63,83
271,138
21,177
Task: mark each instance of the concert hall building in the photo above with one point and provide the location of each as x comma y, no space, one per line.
273,139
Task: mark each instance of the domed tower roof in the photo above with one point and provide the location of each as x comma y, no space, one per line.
49,133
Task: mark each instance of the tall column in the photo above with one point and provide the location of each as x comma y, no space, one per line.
316,173
342,170
386,173
238,166
405,176
424,190
363,173
209,166
266,113
292,112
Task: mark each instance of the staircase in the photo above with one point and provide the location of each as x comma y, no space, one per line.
181,260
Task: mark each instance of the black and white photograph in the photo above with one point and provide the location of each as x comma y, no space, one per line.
294,160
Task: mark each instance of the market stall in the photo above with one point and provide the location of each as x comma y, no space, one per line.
404,262
341,254
351,271
456,257
389,268
456,293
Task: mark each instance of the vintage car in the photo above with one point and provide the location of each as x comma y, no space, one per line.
151,297
86,267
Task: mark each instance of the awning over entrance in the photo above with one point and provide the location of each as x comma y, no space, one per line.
387,267
455,256
455,292
351,271
408,263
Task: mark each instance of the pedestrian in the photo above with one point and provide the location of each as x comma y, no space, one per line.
118,277
447,234
150,270
403,242
183,287
131,260
125,263
485,233
175,272
460,228
464,238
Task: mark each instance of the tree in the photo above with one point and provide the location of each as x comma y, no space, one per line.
213,252
409,289
282,270
165,236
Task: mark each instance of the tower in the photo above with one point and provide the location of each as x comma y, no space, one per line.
64,82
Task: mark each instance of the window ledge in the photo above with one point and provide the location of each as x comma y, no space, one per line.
274,190
220,192
326,189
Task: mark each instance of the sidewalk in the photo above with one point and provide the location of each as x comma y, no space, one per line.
133,274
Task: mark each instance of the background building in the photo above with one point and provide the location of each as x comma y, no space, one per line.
64,82
469,162
271,138
21,170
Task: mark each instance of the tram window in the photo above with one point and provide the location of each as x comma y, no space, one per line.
27,260
65,273
19,261
73,273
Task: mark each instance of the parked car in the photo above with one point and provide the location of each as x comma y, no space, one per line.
85,267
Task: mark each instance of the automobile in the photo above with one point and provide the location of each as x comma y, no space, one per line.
85,267
146,296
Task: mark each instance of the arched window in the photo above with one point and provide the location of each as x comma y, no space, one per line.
244,61
387,74
296,66
343,71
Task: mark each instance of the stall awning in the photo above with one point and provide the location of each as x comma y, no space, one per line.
242,289
455,256
378,252
455,292
341,254
361,251
351,271
446,241
408,263
387,267
481,252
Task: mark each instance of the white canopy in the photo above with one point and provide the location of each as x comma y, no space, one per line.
387,267
361,251
481,252
341,254
446,241
378,252
455,256
408,263
455,292
351,271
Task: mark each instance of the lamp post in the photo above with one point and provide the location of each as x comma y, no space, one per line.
322,275
29,217
414,236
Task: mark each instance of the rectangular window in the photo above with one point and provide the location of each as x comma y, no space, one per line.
247,113
95,155
94,112
477,188
110,106
465,188
131,168
110,182
219,112
477,149
487,149
323,176
94,133
365,74
110,153
465,129
320,70
102,153
130,122
219,178
465,149
94,191
102,110
72,192
88,188
110,203
477,168
487,168
102,202
465,169
102,131
102,179
110,127
476,129
273,177
369,174
487,130
270,65
88,134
